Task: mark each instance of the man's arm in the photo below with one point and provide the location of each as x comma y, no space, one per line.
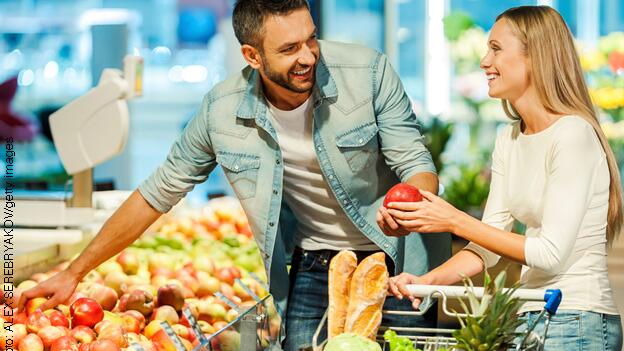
128,222
426,181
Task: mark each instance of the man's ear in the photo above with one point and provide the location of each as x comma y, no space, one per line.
251,55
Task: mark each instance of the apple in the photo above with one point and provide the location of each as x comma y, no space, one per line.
170,295
57,318
103,345
402,193
27,284
85,311
83,334
108,267
75,296
116,280
229,340
182,331
20,318
64,343
34,304
49,334
208,285
138,300
131,324
203,263
19,332
93,277
103,295
166,313
114,333
206,327
31,342
162,341
137,315
152,328
37,321
128,261
40,277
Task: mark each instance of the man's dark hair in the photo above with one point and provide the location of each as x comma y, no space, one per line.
249,15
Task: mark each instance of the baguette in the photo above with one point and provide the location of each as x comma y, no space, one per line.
369,285
341,270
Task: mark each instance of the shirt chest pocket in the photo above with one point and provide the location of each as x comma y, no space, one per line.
241,171
359,146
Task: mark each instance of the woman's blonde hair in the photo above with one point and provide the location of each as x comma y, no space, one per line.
558,78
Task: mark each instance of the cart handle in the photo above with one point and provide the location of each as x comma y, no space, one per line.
552,297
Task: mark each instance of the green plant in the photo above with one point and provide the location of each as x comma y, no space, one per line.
467,186
437,134
492,321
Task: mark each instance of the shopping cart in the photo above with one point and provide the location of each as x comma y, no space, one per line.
431,339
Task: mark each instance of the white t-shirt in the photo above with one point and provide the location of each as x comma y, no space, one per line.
322,224
556,182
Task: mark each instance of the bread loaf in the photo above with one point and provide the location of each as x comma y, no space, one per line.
367,295
341,269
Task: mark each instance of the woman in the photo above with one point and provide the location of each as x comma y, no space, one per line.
553,170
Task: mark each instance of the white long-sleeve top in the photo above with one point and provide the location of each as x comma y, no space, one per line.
556,182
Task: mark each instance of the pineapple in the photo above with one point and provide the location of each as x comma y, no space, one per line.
491,322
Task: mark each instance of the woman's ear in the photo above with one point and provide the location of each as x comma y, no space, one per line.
251,55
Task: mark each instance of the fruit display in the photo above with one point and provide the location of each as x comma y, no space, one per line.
181,265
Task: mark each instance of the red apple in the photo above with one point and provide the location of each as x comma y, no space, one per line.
138,300
163,342
85,311
137,315
170,295
152,328
402,193
34,304
83,334
131,324
49,334
20,318
31,342
105,296
182,331
64,343
37,321
57,318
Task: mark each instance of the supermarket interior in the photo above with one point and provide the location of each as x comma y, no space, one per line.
312,175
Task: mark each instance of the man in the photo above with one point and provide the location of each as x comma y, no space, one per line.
311,135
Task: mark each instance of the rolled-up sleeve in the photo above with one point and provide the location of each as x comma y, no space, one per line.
496,212
188,163
402,143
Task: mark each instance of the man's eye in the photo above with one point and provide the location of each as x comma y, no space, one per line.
289,49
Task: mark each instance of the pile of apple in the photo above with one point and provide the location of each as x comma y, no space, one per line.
180,265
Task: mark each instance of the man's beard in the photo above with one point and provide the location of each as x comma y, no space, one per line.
285,81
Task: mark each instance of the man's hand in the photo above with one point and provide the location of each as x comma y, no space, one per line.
388,225
58,289
397,286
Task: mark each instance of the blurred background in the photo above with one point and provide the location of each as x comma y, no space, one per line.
52,51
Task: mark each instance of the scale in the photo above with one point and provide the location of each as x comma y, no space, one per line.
86,132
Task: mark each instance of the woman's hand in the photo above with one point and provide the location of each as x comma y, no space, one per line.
432,215
398,286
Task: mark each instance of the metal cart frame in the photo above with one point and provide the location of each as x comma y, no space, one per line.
430,339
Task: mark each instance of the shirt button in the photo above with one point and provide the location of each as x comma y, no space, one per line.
277,162
319,148
360,141
236,167
331,176
386,246
345,202
272,224
275,192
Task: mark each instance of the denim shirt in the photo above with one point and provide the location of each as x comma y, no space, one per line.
365,135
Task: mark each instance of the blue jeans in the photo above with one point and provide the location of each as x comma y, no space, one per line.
308,302
578,330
